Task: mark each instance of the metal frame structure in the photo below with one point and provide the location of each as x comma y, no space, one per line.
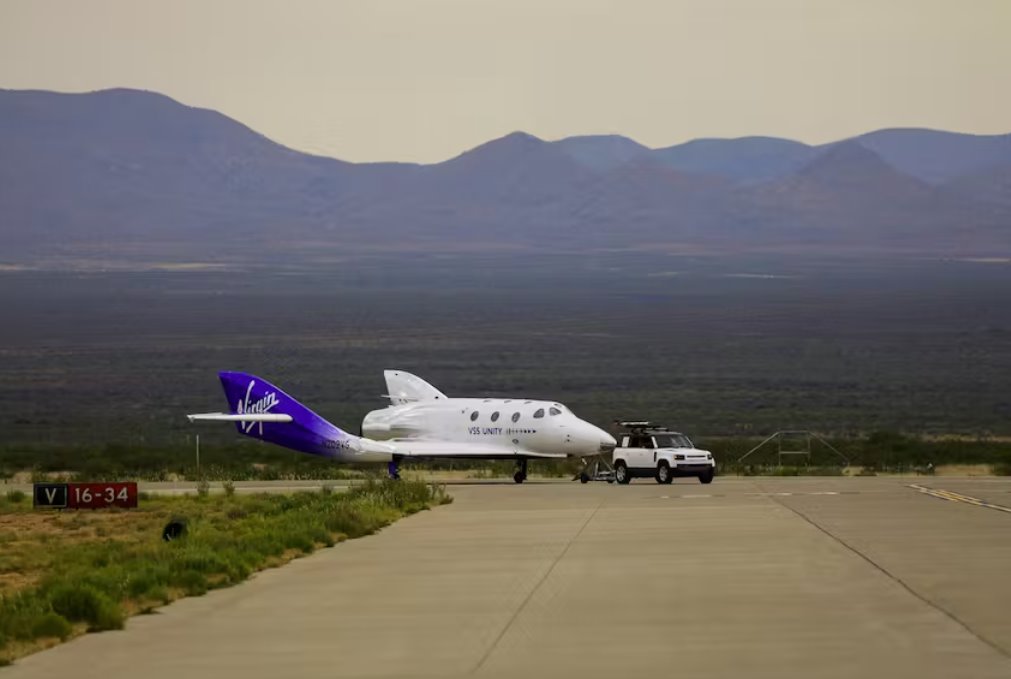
795,435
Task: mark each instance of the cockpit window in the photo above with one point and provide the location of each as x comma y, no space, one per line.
494,416
554,411
516,416
539,412
474,415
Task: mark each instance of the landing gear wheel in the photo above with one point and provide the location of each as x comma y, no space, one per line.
584,478
663,473
707,477
621,474
521,471
393,469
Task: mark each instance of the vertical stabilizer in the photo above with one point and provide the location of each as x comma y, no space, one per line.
307,432
403,387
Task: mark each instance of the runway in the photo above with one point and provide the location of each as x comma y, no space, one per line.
795,577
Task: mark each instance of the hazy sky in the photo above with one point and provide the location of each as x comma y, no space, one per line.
426,79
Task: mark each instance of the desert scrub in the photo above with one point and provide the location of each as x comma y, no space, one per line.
75,572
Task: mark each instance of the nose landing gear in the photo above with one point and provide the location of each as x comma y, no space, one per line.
521,471
597,469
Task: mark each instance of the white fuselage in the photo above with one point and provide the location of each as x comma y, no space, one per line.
511,425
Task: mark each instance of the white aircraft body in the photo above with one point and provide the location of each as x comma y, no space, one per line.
421,422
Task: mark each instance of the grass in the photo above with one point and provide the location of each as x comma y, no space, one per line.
63,574
1002,469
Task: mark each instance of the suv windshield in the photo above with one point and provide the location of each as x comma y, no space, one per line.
672,441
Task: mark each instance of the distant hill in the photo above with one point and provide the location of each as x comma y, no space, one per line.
129,174
935,156
603,152
990,189
851,192
746,159
138,166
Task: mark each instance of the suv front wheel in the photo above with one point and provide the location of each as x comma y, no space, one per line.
621,474
663,473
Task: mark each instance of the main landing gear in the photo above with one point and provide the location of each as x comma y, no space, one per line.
521,471
393,469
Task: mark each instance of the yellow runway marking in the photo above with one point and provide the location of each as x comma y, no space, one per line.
952,496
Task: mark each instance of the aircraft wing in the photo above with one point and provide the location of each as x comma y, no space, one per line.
426,448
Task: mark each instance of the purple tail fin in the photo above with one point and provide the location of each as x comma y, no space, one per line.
307,432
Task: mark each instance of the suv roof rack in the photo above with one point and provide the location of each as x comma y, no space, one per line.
642,424
633,423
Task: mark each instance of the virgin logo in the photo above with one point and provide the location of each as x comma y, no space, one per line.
263,405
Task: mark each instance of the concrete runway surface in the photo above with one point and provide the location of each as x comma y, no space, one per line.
799,577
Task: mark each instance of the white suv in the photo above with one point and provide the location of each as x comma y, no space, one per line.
644,450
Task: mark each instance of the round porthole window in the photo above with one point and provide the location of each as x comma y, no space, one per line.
494,417
473,415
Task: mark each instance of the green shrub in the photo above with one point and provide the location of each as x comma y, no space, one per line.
157,593
16,496
229,488
192,582
52,625
140,584
18,612
110,616
84,603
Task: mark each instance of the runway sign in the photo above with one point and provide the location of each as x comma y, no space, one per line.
53,495
85,495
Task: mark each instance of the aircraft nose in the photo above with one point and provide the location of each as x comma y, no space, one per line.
597,439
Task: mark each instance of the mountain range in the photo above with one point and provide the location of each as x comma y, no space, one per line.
133,174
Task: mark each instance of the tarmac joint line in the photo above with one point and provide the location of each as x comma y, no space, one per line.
533,590
899,581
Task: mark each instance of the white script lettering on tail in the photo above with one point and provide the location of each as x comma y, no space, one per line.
263,405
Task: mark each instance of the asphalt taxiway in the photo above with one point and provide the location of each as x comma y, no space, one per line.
800,577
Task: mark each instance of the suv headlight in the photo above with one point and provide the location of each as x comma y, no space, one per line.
679,457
